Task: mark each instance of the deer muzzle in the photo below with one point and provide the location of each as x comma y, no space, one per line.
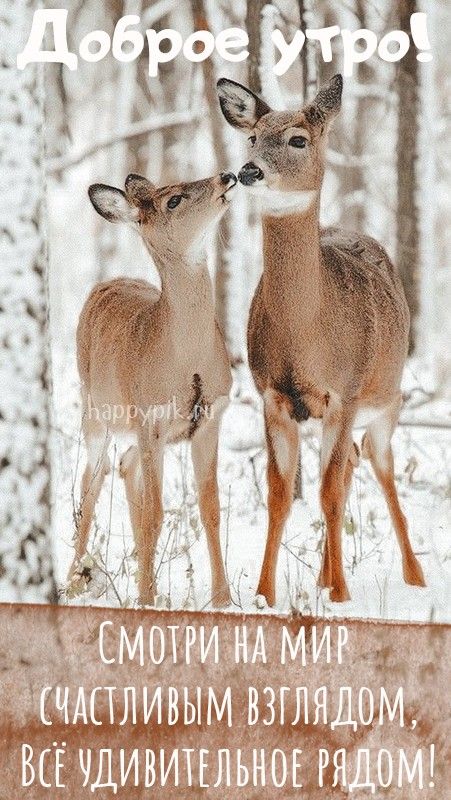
249,174
227,180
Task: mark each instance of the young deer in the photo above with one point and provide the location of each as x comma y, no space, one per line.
160,359
328,327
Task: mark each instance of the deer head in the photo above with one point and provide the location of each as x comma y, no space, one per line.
173,217
286,148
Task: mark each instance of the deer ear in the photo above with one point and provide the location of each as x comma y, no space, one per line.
112,204
139,190
241,107
327,102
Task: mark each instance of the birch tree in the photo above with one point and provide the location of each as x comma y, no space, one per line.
228,273
25,562
408,238
253,27
309,56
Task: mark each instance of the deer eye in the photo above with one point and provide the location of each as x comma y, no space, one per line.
298,141
174,200
252,140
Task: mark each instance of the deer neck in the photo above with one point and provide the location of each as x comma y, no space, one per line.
186,290
291,262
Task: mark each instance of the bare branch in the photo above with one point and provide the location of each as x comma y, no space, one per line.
411,422
135,129
156,11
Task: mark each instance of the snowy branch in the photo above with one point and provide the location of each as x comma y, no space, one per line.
135,129
411,422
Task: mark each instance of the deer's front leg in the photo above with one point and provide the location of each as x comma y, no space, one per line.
336,471
97,467
130,472
282,438
149,528
204,453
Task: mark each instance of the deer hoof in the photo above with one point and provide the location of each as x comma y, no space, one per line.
260,602
413,574
324,579
265,594
339,594
146,598
221,598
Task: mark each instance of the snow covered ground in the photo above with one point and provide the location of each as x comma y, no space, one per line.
373,568
423,465
423,458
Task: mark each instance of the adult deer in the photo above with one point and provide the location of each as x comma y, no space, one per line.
158,360
328,327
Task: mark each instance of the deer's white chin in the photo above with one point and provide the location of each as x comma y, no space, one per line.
279,204
226,196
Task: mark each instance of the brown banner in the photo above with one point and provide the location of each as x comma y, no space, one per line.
262,706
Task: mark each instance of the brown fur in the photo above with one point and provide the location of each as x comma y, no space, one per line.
328,325
140,349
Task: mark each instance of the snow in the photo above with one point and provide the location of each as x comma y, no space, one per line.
371,555
373,567
422,447
25,568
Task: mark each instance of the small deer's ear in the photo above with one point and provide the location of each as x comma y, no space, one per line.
327,102
139,191
112,204
241,107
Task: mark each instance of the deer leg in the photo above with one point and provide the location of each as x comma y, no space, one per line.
130,472
150,521
282,437
97,466
336,467
376,446
325,575
352,462
204,453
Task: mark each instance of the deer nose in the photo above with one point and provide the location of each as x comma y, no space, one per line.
228,177
249,174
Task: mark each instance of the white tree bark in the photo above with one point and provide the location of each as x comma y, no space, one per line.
427,200
271,91
25,561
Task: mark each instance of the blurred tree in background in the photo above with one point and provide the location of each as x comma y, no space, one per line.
26,573
407,231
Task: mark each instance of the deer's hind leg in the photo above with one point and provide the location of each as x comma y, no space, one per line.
336,471
97,467
282,437
150,520
325,575
204,454
376,446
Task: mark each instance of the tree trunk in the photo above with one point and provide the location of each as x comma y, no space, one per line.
408,239
25,561
253,27
309,53
225,300
113,241
355,190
